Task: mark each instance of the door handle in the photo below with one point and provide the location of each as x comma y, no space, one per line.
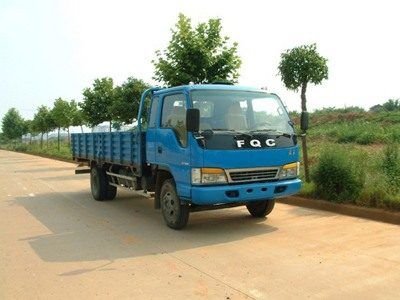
159,149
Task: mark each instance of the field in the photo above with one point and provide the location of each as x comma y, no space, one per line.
354,157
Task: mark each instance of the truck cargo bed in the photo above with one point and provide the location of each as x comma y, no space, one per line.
122,148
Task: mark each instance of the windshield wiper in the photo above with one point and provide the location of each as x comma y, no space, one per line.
240,133
272,130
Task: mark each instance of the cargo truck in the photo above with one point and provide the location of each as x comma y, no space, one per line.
197,147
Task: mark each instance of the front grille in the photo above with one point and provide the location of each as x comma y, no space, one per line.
251,175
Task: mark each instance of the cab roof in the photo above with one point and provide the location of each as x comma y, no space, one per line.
192,87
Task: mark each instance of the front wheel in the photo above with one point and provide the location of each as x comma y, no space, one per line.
259,209
176,215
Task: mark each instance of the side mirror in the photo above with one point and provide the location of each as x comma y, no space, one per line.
193,120
304,121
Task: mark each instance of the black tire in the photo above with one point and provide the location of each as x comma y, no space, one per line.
176,215
260,209
99,185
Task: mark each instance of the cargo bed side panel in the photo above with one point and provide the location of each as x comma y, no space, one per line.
111,147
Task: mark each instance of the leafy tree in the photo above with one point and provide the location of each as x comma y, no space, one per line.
127,98
77,116
199,55
391,105
376,108
299,67
13,124
97,102
62,116
30,129
42,122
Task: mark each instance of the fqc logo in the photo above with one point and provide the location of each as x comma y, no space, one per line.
256,143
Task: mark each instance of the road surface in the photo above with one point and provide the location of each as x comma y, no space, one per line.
56,242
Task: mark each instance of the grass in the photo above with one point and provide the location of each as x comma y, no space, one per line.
48,149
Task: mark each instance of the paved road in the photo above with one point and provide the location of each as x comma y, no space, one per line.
56,242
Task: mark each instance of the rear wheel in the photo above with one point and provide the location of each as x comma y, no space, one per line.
259,209
176,215
99,185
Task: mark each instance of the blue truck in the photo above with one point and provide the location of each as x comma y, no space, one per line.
197,147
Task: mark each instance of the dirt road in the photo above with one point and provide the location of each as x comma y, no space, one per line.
56,242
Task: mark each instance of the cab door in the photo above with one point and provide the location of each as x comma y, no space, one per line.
172,150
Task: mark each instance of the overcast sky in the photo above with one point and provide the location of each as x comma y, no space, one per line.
51,49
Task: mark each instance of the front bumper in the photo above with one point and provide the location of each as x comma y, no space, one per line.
219,194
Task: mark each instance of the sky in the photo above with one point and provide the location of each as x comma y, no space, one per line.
51,49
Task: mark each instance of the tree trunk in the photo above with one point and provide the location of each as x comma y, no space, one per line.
304,133
81,128
47,139
58,139
69,138
110,126
41,141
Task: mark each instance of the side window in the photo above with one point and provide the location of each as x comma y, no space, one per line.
153,112
174,116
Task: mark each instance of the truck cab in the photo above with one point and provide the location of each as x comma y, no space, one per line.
219,146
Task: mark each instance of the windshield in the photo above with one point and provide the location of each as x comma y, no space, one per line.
240,111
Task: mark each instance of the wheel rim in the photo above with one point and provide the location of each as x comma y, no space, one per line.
171,207
94,178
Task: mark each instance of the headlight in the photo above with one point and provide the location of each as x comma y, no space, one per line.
208,176
290,171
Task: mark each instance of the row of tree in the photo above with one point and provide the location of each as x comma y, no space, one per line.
101,102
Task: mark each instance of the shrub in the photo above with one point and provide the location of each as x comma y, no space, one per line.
374,192
337,176
307,189
391,166
366,138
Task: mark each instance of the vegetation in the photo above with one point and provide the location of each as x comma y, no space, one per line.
97,102
338,176
354,157
299,67
42,122
124,108
13,125
62,116
198,55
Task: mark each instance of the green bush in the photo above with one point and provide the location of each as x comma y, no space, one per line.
337,175
374,192
391,166
366,138
307,189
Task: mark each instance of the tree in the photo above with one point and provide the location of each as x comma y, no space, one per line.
42,122
298,67
376,108
127,99
62,116
30,129
392,105
77,116
13,124
199,55
97,102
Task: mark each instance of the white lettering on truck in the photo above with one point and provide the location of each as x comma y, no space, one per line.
256,143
